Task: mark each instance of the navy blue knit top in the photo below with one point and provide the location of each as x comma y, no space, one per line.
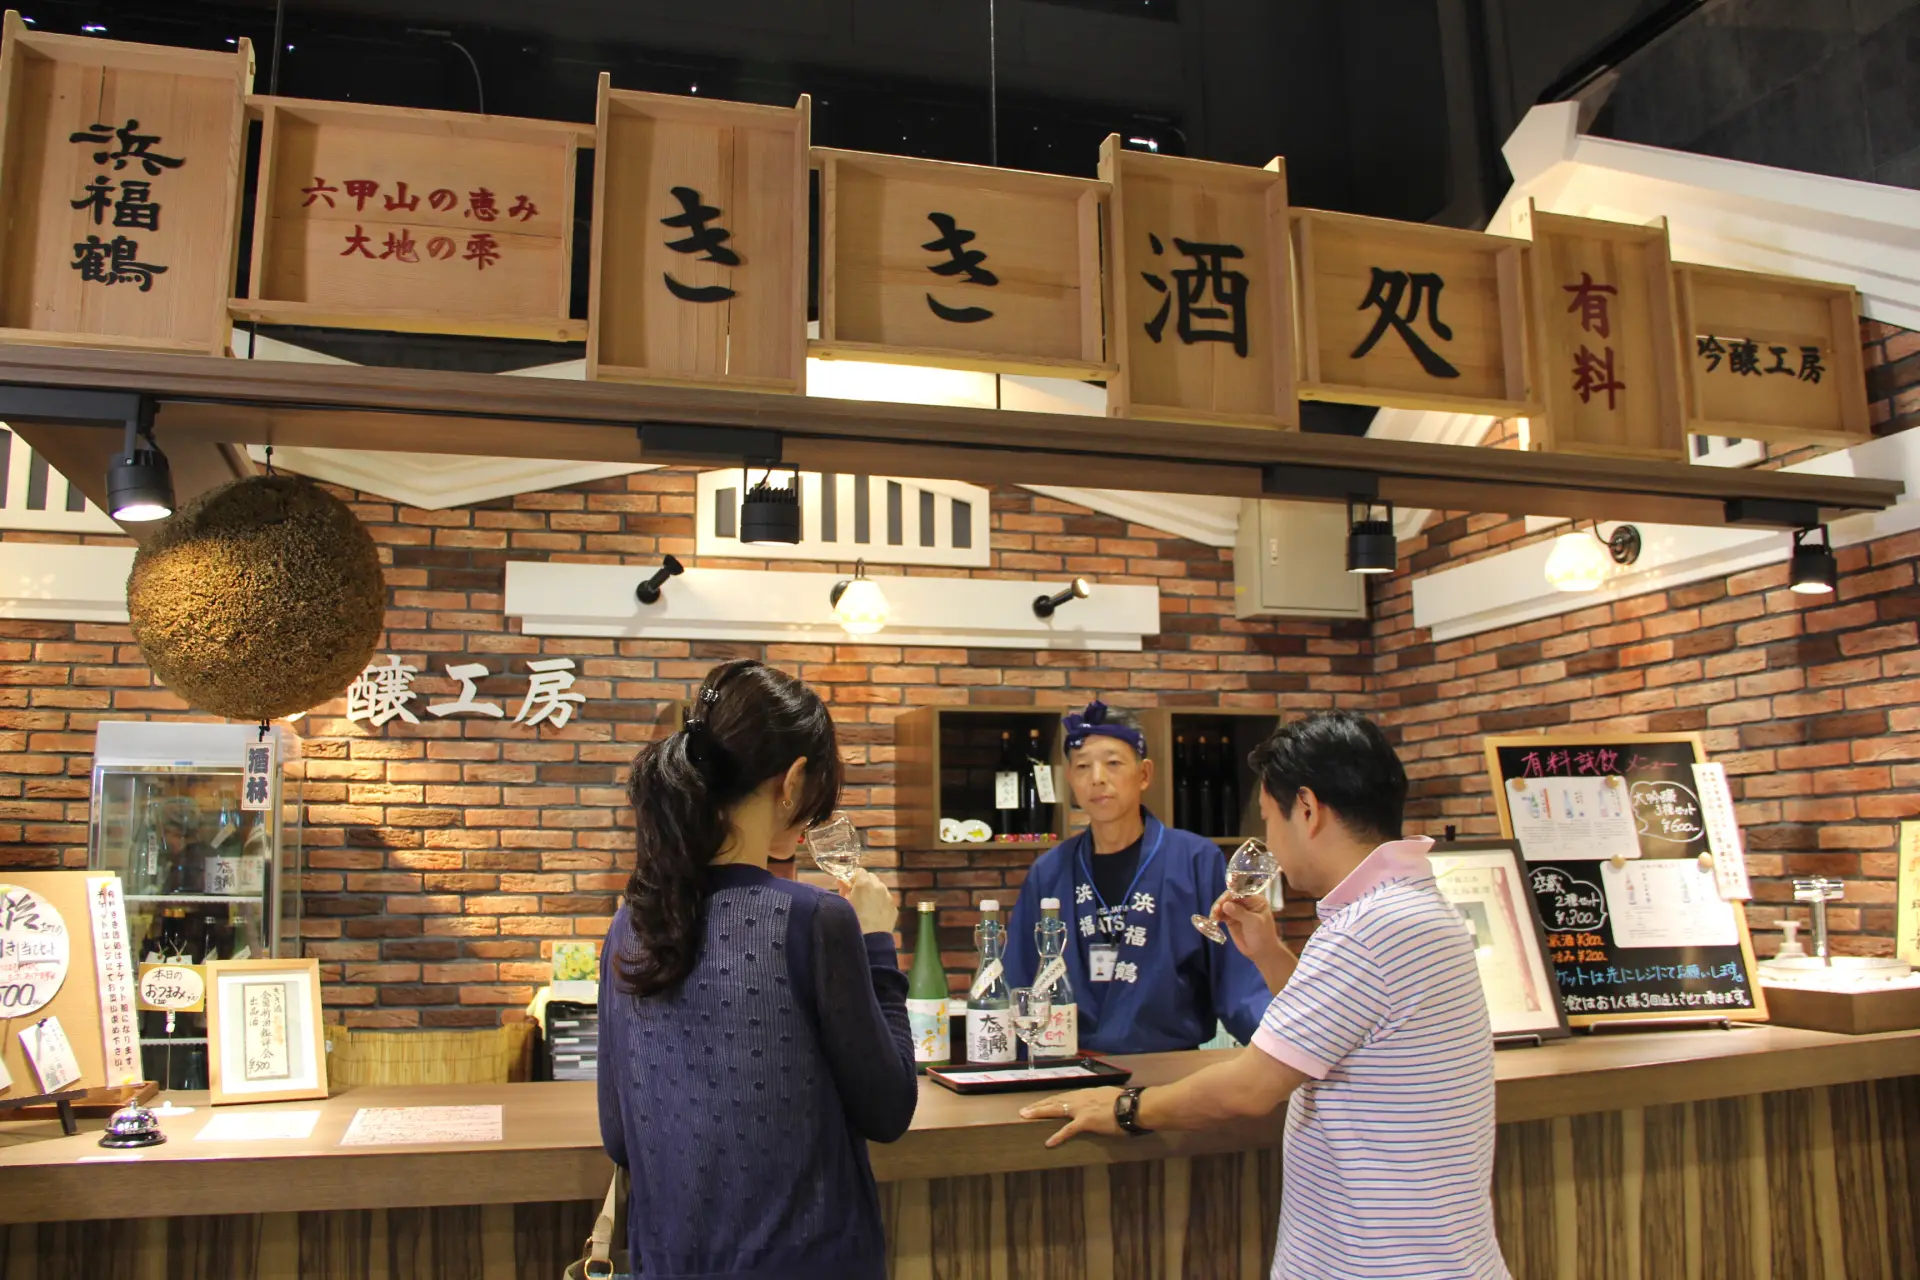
743,1101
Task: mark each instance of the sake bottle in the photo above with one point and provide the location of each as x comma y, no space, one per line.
1206,795
927,995
1006,789
1062,1037
990,1000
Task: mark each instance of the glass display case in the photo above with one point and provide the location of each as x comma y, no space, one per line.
204,879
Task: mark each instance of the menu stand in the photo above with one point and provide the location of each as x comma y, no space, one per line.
1662,1024
69,1104
63,1101
1518,1040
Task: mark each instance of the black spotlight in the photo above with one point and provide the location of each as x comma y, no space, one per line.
139,482
1370,544
648,592
1078,589
769,513
1814,571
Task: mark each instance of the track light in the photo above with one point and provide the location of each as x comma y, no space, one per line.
859,605
1370,544
1581,563
139,482
1813,569
769,513
1078,589
648,592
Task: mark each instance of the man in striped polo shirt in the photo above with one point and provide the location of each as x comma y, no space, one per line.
1377,1037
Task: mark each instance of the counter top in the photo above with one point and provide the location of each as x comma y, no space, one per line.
551,1138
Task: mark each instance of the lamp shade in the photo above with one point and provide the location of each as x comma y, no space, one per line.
1579,562
862,607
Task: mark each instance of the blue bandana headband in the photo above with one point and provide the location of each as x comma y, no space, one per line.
1092,722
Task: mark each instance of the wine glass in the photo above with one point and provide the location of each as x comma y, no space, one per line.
1032,1011
1249,874
835,846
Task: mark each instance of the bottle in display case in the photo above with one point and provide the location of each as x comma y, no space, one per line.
204,877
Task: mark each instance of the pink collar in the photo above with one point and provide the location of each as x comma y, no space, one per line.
1394,860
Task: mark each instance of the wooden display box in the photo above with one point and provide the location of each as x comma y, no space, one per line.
1244,729
707,287
413,221
121,235
1850,1013
945,760
1019,291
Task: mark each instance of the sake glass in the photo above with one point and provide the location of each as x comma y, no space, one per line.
1032,1011
835,846
1250,874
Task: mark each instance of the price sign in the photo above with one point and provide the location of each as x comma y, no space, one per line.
169,987
33,952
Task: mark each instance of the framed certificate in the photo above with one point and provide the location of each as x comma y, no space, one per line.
264,1040
1486,881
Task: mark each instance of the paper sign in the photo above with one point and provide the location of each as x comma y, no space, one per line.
113,966
258,1126
1056,969
256,787
1907,943
989,975
179,987
51,1055
1043,784
404,1126
1723,832
33,952
1006,790
1667,902
263,1030
1585,819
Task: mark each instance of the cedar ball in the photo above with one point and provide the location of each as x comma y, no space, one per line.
258,599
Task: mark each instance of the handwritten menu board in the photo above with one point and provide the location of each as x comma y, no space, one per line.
1632,938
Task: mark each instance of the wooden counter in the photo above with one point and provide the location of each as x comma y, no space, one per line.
1598,1122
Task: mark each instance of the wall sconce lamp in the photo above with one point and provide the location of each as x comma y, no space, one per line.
1813,570
769,513
859,605
1078,589
1370,544
139,481
1580,563
648,592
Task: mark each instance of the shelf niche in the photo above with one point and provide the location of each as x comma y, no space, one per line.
946,758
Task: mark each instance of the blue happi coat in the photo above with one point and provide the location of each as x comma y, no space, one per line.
1170,984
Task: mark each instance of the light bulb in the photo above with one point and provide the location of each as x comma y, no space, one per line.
1579,562
862,607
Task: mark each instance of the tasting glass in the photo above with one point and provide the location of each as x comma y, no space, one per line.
1032,1013
835,846
1250,874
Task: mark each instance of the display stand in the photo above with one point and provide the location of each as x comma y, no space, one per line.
1661,1024
1518,1040
62,1103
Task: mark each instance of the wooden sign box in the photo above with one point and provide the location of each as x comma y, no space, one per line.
120,191
1848,1013
413,221
1025,298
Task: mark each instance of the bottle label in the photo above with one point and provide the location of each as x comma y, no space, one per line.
931,1035
1062,1036
1006,790
1051,972
990,1035
1043,783
989,974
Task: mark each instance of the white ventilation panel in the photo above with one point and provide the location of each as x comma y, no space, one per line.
35,496
880,519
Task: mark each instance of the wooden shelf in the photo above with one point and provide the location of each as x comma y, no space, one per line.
1248,727
934,744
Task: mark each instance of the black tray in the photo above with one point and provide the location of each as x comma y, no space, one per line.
965,1078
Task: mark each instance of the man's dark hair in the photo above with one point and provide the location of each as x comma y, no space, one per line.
1346,761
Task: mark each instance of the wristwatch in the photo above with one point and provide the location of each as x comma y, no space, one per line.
1125,1108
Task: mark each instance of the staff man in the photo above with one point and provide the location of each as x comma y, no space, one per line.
1378,1034
1144,978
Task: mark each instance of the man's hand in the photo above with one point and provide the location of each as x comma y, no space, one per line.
1250,923
1084,1110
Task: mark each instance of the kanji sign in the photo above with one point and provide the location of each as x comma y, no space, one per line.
256,783
384,692
1604,325
926,262
1769,358
1414,316
425,221
699,242
1198,268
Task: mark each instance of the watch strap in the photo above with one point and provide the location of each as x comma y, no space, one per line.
1125,1110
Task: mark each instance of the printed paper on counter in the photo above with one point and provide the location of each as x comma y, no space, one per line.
1573,819
1013,1075
1723,832
51,1055
1907,931
1667,902
407,1126
258,1126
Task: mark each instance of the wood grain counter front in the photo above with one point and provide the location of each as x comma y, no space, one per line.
551,1140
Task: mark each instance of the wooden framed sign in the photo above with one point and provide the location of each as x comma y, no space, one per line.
699,242
1604,322
120,190
413,221
960,266
1631,938
1409,315
1771,357
1486,882
264,1038
1200,274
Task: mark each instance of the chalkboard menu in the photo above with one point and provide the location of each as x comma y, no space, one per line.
1630,938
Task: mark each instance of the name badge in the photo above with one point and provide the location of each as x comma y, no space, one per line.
1101,957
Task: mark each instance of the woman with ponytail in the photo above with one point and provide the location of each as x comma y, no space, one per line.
753,1030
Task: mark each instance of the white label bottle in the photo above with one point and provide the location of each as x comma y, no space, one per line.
990,1035
1062,1037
